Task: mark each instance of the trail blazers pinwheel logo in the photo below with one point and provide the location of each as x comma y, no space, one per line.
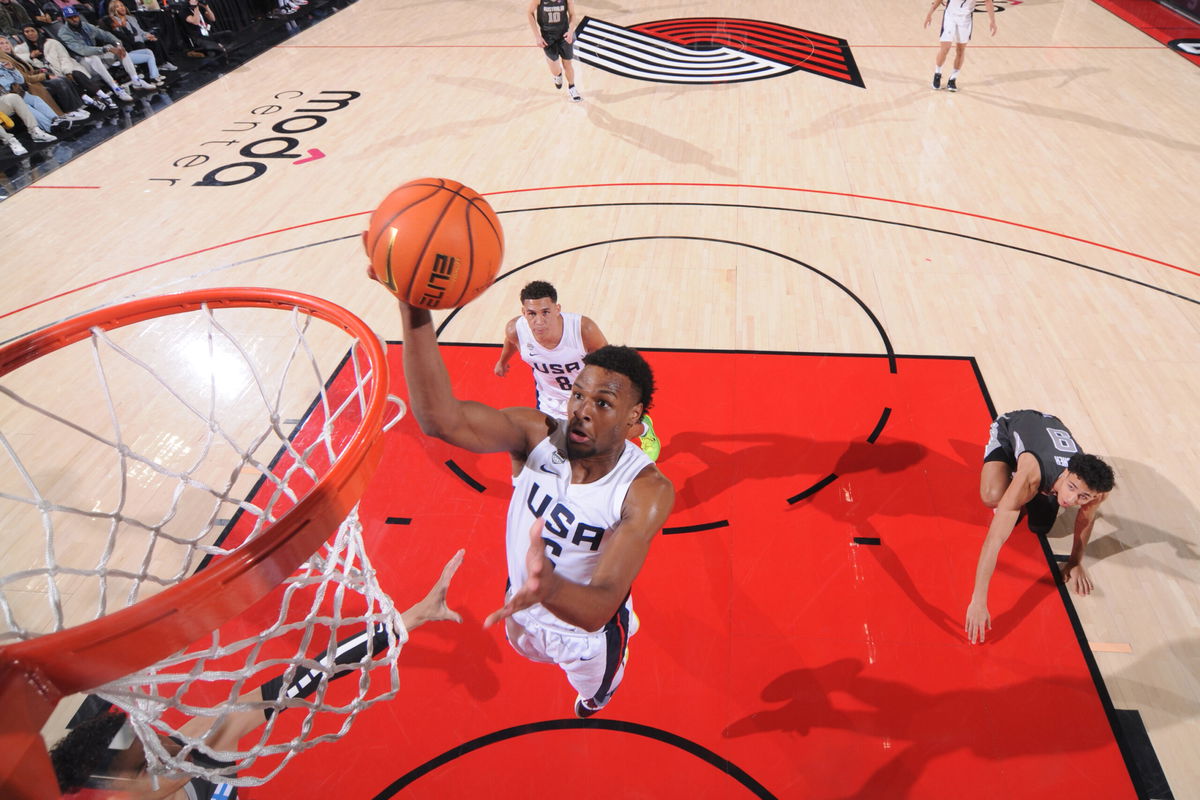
704,50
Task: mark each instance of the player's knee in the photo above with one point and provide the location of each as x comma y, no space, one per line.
990,495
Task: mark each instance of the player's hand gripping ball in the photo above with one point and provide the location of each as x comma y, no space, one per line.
434,243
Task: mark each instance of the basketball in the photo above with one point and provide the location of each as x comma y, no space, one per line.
435,243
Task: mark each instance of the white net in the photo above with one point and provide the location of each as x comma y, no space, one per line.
131,460
206,705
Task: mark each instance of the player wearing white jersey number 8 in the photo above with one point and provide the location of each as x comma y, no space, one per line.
553,343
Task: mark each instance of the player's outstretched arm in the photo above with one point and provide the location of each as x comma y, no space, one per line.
432,607
509,349
590,606
1020,491
470,425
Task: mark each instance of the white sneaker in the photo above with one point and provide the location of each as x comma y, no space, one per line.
107,100
140,84
77,115
168,67
571,90
123,96
17,148
39,135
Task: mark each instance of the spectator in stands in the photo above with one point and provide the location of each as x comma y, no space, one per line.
126,27
13,17
97,48
86,9
12,104
58,93
199,20
45,116
33,10
43,51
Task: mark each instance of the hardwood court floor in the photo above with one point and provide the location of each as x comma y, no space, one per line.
1042,221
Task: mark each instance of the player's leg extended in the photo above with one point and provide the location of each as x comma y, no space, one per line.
596,673
960,55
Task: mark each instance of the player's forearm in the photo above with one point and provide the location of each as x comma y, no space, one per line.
588,607
429,393
1003,521
1083,534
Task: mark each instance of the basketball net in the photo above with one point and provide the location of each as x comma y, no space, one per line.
171,442
333,599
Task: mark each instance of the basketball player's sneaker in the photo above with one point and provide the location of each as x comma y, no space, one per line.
951,86
558,81
571,90
651,445
585,708
937,80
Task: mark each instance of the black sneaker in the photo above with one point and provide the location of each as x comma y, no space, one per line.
937,80
951,86
583,708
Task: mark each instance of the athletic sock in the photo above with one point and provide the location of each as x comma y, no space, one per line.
954,75
937,70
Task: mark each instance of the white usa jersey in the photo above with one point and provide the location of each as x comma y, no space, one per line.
554,371
579,516
960,8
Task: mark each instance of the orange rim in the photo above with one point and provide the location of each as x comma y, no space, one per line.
125,641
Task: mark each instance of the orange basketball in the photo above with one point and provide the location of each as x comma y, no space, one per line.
435,243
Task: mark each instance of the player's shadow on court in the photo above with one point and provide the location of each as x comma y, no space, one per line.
1063,115
990,723
765,456
451,128
1145,683
466,654
653,140
1152,531
1063,77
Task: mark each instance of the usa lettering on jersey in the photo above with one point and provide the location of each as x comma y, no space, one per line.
561,523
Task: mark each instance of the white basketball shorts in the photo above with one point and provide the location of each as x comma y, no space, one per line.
956,28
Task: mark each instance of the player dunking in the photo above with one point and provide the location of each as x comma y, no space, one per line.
586,505
553,343
552,24
956,29
1032,462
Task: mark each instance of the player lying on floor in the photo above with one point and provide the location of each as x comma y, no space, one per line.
88,750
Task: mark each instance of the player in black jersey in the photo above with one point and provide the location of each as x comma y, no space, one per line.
1032,465
99,754
553,30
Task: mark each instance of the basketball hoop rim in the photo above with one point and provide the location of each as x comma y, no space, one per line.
96,652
